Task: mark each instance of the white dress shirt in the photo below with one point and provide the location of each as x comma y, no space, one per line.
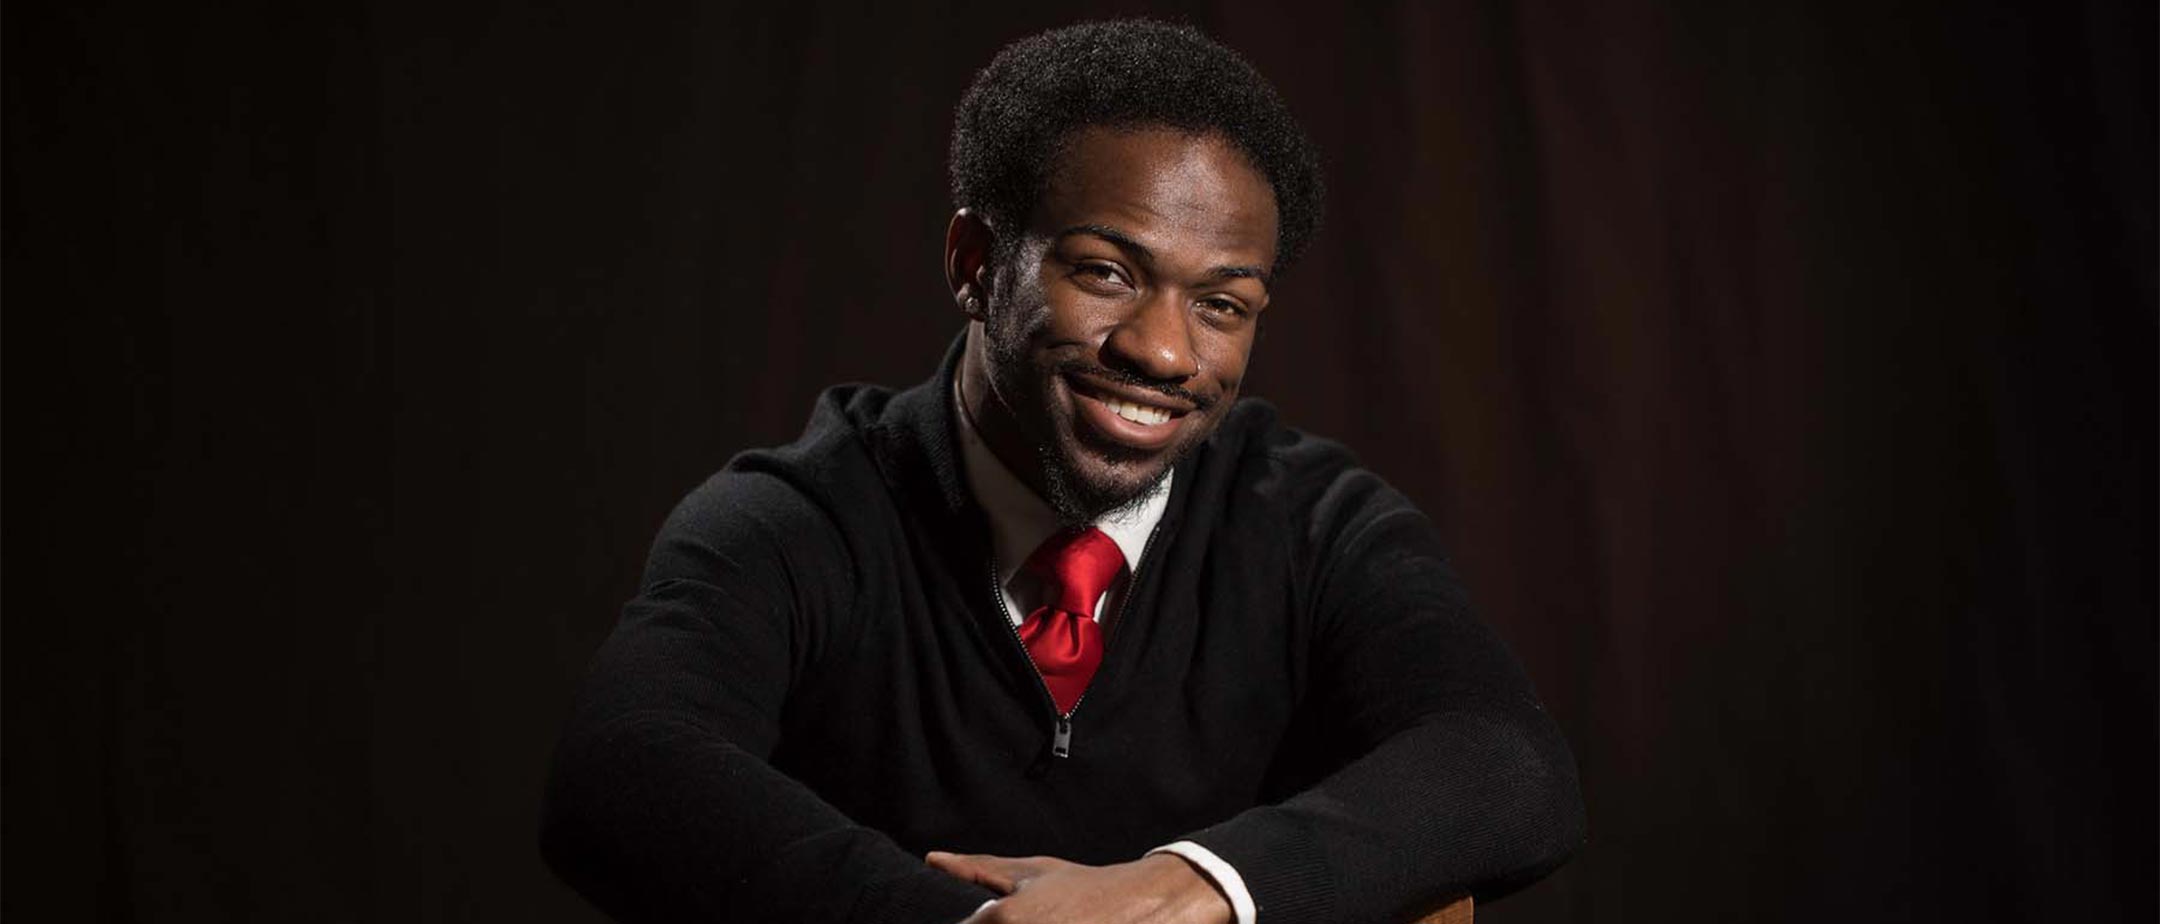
1019,522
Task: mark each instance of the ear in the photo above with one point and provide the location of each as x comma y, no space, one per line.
967,263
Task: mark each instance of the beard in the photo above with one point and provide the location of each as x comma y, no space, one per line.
1081,501
1083,478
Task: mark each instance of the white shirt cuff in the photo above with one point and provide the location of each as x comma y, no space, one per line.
1220,870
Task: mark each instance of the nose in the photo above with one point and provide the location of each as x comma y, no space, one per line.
1155,340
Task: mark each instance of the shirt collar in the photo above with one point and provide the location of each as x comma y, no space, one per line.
1020,520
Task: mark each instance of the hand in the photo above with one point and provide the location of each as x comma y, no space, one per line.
1156,888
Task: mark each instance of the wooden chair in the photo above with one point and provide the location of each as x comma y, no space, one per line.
1454,912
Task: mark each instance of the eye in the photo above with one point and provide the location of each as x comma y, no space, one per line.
1228,308
1100,275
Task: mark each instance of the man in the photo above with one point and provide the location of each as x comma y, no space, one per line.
1067,632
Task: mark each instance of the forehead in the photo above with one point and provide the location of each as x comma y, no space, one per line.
1175,191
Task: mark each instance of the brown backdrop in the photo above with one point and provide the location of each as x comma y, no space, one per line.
1785,379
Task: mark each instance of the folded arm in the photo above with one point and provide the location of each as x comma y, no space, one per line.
1463,784
661,804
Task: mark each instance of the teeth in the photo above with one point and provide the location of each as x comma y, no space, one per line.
1137,413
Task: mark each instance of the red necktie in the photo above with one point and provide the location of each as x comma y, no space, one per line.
1061,636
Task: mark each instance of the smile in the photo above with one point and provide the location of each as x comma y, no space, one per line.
1121,415
1137,413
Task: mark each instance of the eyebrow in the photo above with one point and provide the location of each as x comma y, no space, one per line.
1140,251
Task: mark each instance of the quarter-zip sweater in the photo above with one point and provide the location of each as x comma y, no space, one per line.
817,683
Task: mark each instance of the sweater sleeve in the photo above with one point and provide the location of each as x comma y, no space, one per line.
1462,783
661,805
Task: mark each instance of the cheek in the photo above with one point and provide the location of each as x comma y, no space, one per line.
1069,317
1039,323
1229,359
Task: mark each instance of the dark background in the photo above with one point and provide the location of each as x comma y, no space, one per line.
1785,380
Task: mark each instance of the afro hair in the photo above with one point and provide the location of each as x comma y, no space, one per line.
1015,119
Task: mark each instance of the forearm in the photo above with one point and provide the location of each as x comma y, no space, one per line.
655,818
1472,802
662,805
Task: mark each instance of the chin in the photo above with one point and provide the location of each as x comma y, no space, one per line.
1086,481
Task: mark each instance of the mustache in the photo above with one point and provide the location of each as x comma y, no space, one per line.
1088,370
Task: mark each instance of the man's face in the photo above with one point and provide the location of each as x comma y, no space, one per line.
1118,333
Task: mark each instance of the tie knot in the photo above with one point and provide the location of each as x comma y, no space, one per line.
1082,563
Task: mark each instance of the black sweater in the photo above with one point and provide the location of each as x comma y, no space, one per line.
816,684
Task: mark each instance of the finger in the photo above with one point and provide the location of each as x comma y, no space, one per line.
973,868
998,874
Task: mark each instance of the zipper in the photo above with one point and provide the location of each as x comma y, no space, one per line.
1061,736
1061,740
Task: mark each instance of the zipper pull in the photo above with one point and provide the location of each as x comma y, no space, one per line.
1061,743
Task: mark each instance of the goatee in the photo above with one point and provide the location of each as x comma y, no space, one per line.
1078,502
